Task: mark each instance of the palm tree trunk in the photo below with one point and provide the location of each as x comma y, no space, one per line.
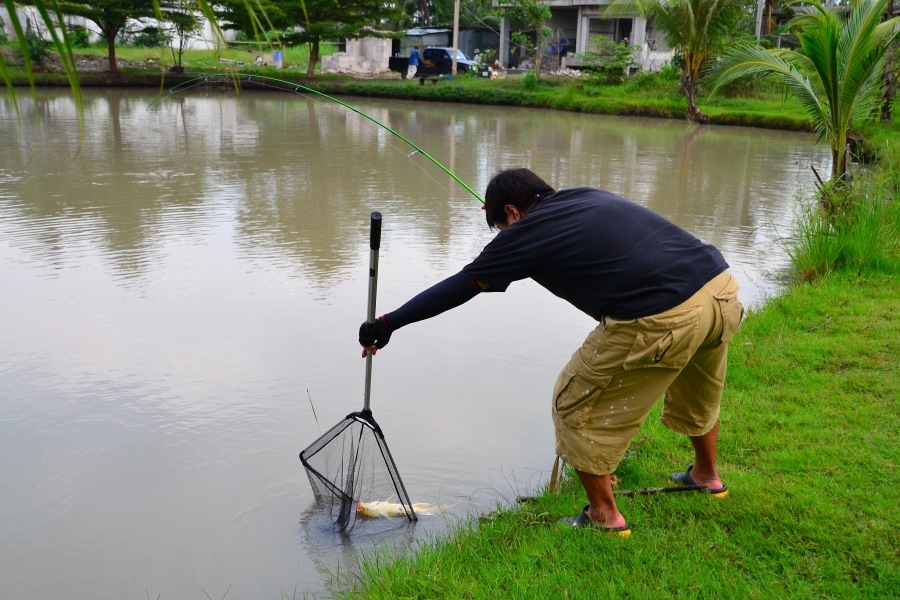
839,159
689,85
766,28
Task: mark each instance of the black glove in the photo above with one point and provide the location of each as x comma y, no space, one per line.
374,334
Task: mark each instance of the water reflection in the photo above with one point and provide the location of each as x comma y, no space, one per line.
297,174
178,292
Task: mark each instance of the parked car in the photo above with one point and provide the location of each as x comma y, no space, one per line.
433,61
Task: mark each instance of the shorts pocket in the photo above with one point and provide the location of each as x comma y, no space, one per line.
665,340
730,308
574,394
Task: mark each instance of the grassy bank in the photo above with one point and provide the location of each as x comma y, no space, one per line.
755,104
808,448
652,95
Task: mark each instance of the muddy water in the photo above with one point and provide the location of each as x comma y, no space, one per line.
182,291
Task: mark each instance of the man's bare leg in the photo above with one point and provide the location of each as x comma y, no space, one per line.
705,471
603,511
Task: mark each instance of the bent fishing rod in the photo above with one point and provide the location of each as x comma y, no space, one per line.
265,80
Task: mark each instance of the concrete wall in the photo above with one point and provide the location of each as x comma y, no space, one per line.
367,56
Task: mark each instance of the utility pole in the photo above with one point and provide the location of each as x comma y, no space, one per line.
455,36
760,4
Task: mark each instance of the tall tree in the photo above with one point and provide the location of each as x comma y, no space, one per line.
697,30
844,58
425,12
310,21
181,22
110,16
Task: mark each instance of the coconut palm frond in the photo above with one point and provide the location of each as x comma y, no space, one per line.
60,41
63,44
888,31
20,35
862,53
624,8
856,37
747,60
785,65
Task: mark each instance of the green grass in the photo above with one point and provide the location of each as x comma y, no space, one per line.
861,232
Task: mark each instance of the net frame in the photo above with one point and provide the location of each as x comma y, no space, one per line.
342,464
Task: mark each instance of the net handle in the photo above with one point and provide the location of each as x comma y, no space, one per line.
374,246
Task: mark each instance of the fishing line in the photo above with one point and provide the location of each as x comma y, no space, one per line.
263,80
212,80
367,126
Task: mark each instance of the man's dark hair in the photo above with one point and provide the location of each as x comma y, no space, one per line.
519,187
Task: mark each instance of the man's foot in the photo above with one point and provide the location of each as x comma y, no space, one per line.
714,486
584,521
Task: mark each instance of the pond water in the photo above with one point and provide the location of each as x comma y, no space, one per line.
182,290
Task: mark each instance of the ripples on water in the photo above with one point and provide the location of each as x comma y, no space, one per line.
178,294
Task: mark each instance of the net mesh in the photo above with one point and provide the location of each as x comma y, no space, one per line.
350,467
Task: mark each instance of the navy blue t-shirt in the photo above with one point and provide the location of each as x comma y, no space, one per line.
606,255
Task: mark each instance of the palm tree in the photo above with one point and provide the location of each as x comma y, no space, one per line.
844,58
697,30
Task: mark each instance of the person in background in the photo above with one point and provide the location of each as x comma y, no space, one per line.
413,62
666,308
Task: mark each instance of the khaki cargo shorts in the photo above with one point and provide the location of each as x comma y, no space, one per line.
605,393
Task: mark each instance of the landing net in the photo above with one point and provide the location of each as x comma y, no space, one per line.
350,467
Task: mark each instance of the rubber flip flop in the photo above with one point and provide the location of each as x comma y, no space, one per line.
686,479
583,521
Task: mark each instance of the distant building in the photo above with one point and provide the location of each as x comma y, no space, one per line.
575,22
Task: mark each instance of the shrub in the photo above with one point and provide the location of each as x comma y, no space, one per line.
610,62
148,37
80,37
530,81
670,71
853,227
36,47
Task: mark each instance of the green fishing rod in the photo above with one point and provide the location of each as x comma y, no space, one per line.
296,86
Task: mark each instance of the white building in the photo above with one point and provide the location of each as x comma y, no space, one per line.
577,21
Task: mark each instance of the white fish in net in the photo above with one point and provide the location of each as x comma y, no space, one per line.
377,508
